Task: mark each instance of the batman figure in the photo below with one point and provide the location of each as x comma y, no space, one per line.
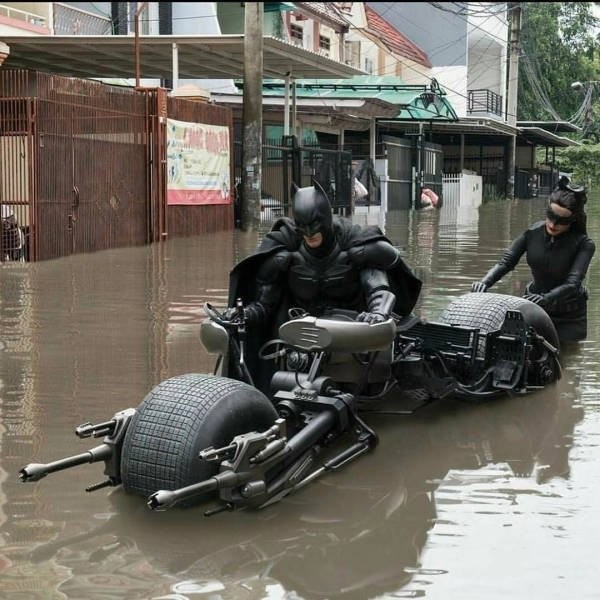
318,262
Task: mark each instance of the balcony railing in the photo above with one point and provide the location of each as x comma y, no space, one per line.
484,102
22,15
69,20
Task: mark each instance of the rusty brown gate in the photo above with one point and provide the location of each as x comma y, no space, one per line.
16,148
74,156
84,166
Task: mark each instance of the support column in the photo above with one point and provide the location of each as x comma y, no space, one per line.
175,57
252,117
372,137
511,96
286,106
294,110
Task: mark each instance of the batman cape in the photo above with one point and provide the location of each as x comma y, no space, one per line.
284,236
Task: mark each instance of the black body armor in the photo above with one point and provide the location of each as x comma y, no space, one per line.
558,267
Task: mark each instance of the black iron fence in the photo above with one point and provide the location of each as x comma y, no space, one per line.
287,162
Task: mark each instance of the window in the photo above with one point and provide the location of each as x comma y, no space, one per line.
352,54
368,65
296,34
324,43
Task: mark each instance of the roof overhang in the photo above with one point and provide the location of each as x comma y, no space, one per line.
540,137
413,102
552,126
197,56
486,130
351,104
333,113
466,125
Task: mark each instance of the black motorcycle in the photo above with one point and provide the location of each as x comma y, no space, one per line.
269,421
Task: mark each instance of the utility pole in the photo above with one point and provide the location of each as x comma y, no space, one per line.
252,116
138,13
514,15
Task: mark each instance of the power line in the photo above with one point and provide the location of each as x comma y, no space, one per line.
462,38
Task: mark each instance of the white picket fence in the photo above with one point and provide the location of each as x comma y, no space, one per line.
462,197
463,189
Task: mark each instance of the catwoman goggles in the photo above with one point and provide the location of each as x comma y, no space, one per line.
557,219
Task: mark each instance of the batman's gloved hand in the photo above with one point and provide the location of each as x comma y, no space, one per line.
253,313
380,303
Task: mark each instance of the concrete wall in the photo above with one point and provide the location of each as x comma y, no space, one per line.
454,81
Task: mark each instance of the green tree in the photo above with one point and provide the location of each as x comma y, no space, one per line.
583,162
558,47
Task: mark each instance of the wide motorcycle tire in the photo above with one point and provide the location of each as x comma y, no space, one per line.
487,311
180,417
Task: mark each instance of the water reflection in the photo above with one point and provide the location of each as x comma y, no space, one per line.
85,336
354,535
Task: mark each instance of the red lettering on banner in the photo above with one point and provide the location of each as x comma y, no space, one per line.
197,197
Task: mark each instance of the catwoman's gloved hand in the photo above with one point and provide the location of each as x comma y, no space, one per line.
539,299
371,318
479,286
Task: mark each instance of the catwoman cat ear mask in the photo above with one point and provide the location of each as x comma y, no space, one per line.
564,183
569,196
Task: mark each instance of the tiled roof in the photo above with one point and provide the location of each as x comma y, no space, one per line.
393,39
324,9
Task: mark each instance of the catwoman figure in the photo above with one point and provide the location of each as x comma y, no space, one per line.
558,252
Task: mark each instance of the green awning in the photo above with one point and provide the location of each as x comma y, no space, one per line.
278,6
415,102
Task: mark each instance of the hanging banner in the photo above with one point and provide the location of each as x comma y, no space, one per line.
198,163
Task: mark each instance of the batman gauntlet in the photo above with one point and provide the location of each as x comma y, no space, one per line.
381,304
254,314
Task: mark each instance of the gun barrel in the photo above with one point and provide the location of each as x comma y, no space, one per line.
35,471
312,433
164,499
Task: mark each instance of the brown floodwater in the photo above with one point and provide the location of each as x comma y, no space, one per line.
459,501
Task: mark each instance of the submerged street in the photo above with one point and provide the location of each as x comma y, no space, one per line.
458,501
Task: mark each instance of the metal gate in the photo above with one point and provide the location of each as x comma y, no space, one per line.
289,162
84,166
432,163
74,154
16,180
400,153
332,169
101,199
412,164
